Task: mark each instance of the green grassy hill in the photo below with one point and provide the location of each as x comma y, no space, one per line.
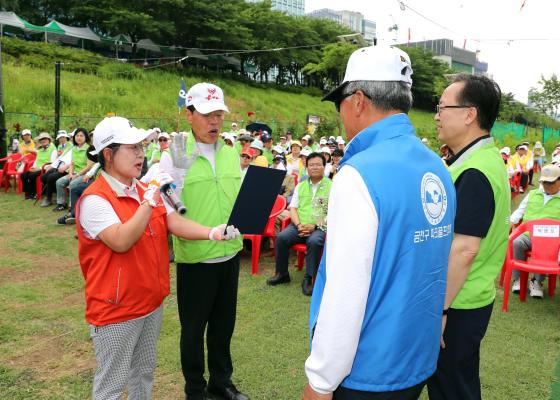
148,96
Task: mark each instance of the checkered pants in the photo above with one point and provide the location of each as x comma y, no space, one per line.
126,357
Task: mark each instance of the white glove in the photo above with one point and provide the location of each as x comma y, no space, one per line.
151,195
217,233
178,152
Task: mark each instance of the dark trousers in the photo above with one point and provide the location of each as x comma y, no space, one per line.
75,194
207,299
28,183
524,180
457,375
49,179
288,237
411,393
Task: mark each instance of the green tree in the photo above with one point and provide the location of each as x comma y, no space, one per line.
547,100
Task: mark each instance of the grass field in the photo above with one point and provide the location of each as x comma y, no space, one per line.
45,351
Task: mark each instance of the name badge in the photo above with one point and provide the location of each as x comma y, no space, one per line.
546,230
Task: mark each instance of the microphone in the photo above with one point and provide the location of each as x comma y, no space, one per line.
171,196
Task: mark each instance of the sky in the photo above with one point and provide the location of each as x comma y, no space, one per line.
499,29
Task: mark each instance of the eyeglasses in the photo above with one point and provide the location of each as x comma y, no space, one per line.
439,107
338,102
162,140
137,149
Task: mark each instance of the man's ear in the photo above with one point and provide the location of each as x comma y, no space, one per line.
188,115
472,115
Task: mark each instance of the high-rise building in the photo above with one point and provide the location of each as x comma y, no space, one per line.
291,7
351,19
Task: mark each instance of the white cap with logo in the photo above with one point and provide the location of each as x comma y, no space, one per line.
550,173
375,63
206,98
116,130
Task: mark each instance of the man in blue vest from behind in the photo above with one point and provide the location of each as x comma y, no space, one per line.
376,310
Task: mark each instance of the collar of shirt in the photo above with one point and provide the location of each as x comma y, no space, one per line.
121,189
451,160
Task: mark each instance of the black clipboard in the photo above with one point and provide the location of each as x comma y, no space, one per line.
256,198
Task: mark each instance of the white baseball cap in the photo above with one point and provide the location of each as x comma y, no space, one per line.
257,144
25,132
306,137
164,135
326,150
506,150
206,98
279,149
305,153
550,173
340,140
230,137
375,63
116,130
323,141
62,133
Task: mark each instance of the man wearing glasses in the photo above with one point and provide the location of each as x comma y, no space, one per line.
207,273
464,117
308,212
376,310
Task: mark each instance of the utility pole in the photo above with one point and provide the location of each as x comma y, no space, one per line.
57,98
3,144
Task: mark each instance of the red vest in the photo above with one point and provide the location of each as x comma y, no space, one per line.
124,286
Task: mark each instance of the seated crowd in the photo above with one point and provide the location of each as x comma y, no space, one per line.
65,167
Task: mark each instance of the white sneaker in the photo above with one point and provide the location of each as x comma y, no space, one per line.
535,289
516,287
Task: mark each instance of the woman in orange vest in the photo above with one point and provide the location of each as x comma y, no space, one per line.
124,256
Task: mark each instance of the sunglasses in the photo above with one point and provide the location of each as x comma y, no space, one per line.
338,102
162,140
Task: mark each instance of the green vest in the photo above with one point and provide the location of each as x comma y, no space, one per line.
44,155
150,150
156,154
479,288
66,148
79,157
209,199
237,146
268,154
313,209
536,209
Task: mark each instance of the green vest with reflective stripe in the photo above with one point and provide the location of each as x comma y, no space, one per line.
313,209
479,288
79,157
536,209
209,199
44,155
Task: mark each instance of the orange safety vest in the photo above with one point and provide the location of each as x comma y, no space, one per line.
124,286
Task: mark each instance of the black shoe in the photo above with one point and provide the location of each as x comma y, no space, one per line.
307,285
226,393
196,396
66,219
278,279
60,207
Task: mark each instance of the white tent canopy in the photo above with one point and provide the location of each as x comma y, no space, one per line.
79,33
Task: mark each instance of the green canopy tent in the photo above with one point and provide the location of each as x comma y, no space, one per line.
10,22
72,35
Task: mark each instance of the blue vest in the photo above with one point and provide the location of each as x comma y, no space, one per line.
415,202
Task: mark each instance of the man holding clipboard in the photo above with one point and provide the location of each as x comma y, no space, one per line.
207,274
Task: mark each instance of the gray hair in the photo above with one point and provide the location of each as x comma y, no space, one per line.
385,95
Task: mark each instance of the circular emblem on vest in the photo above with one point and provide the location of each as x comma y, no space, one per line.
434,198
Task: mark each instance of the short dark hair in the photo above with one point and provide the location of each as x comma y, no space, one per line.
82,130
191,109
337,153
316,154
484,94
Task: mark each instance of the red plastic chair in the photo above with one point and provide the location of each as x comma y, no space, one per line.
10,169
256,240
545,244
12,172
515,184
39,182
300,249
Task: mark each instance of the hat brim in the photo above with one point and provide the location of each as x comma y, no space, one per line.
210,106
336,93
132,136
549,179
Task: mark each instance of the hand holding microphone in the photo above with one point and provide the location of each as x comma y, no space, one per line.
162,184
